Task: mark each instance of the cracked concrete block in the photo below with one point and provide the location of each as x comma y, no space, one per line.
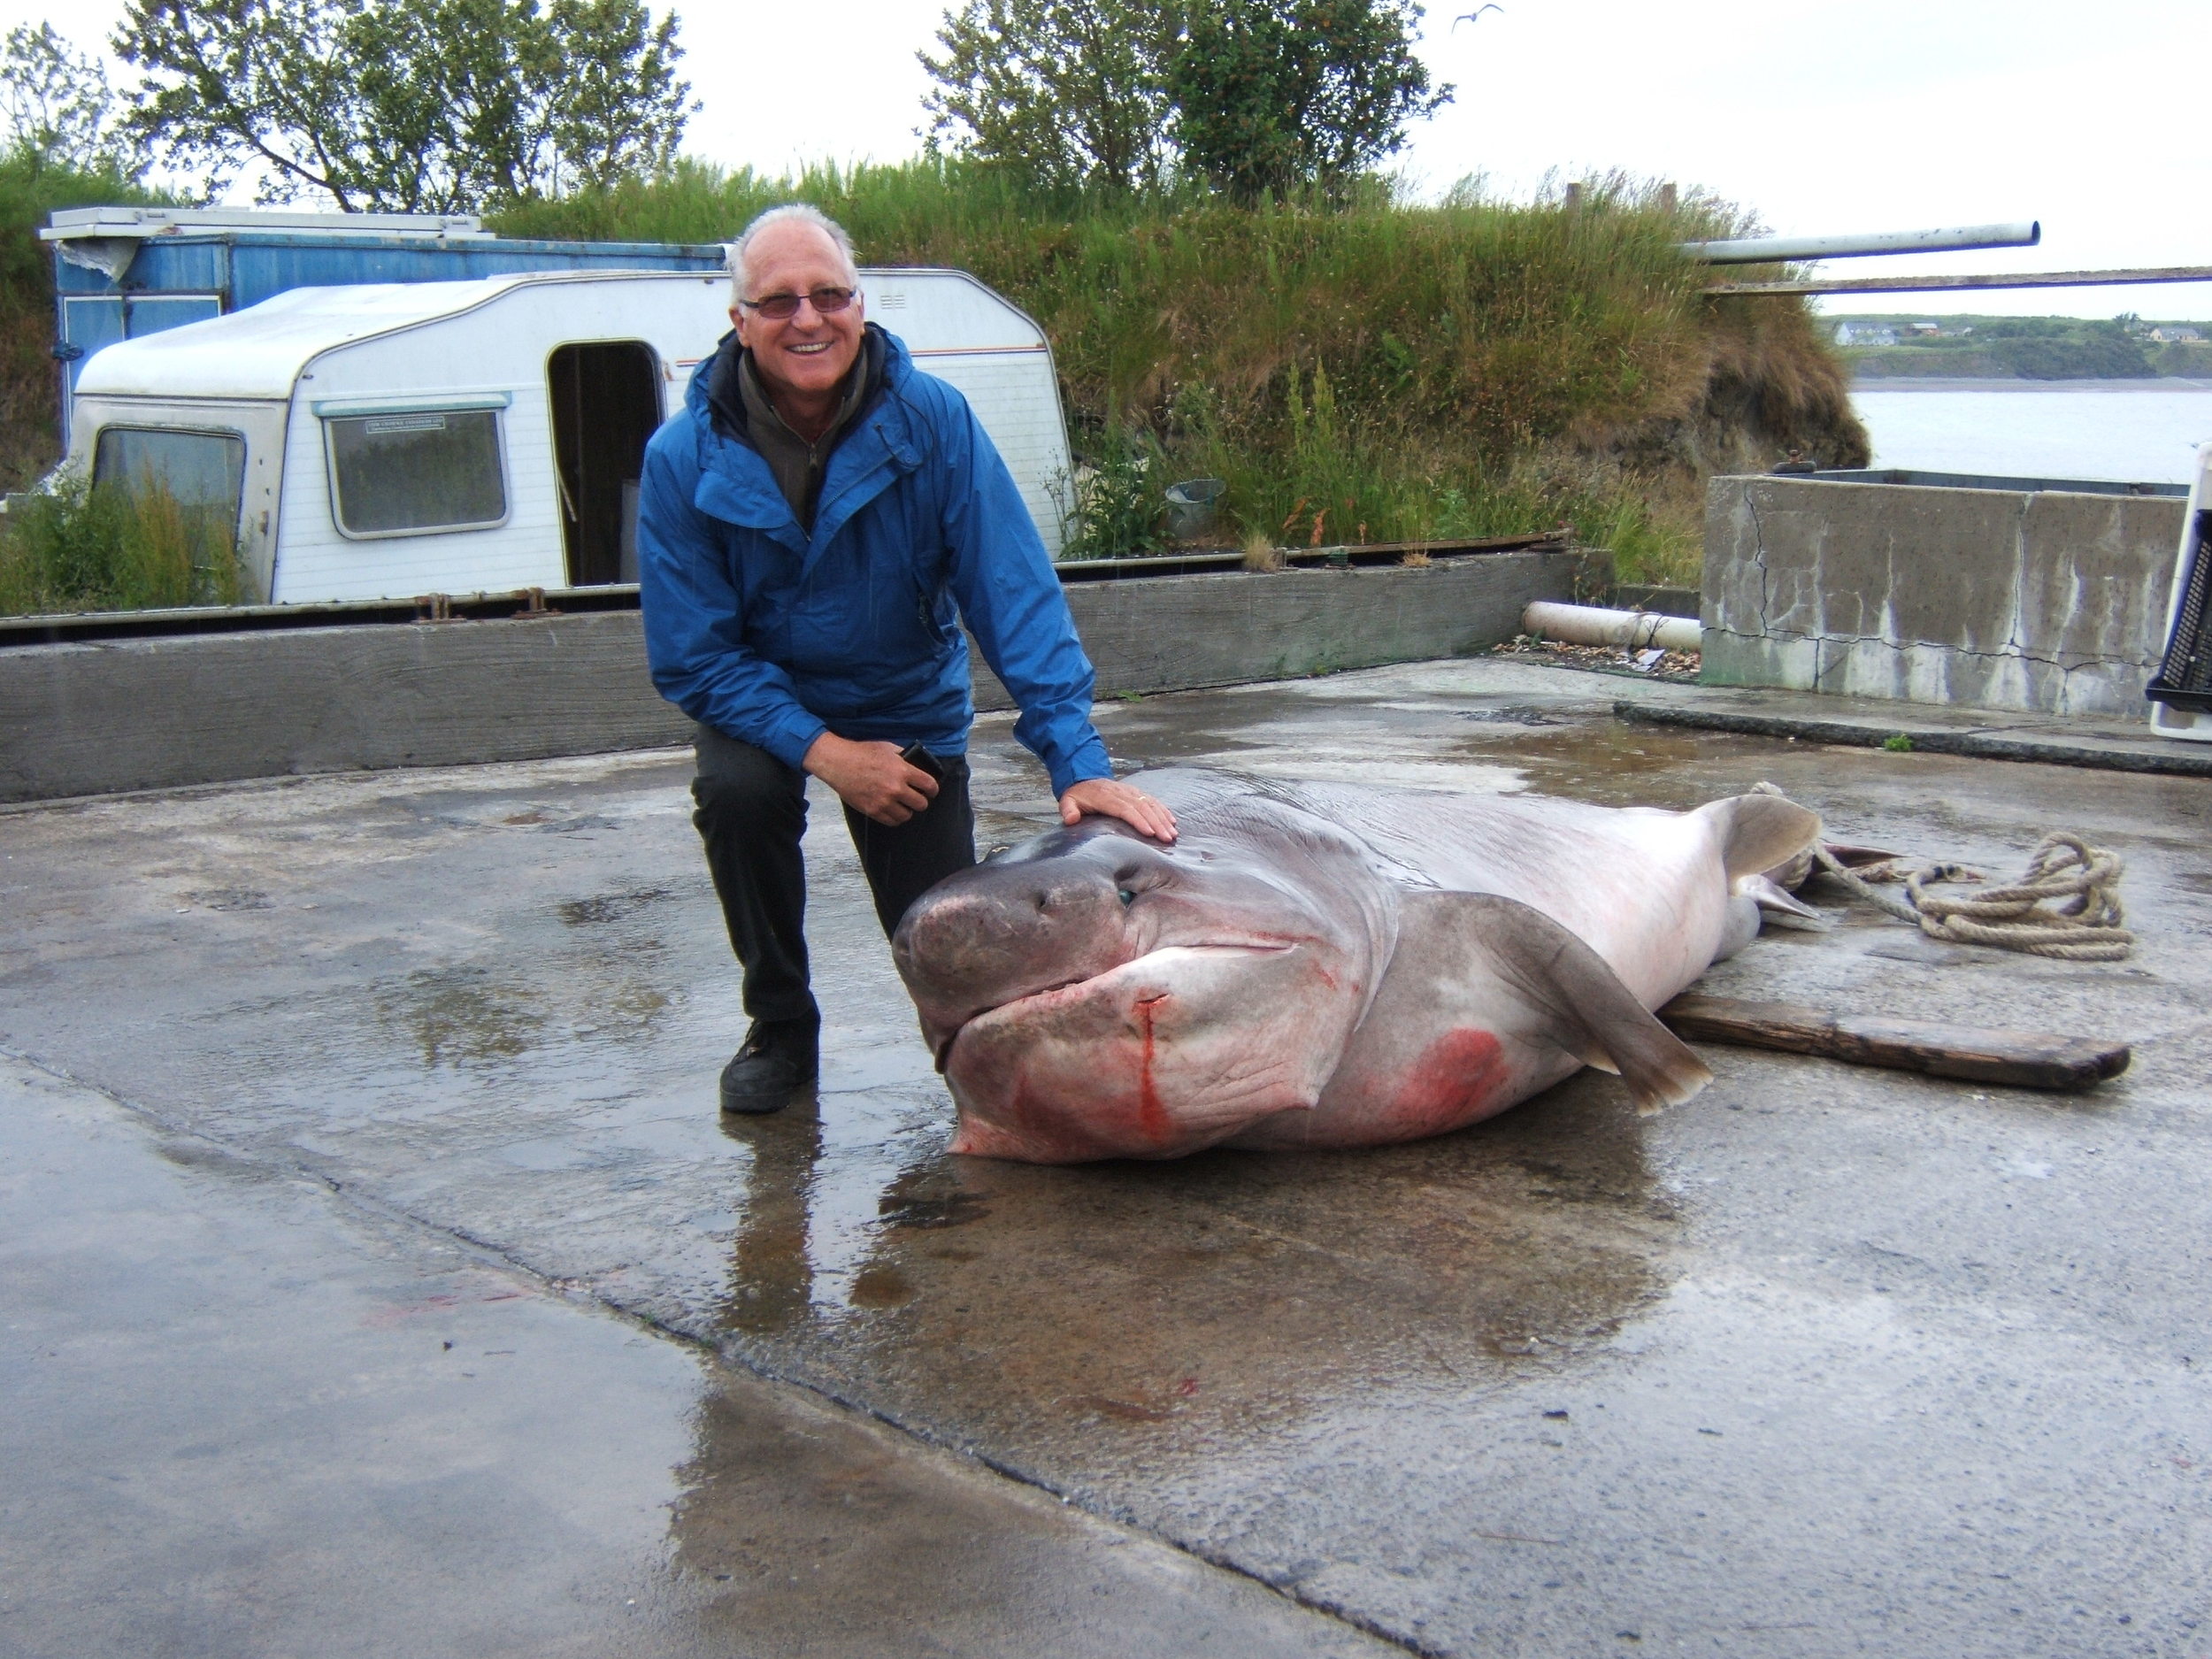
2094,582
2045,601
1752,659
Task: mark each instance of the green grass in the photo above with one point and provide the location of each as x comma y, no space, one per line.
112,548
1394,372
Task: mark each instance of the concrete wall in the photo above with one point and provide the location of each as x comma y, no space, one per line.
2044,600
136,714
1168,633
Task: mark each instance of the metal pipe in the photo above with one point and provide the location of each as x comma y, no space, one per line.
1963,284
1630,630
1770,250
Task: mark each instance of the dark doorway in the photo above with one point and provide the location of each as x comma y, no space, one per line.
606,404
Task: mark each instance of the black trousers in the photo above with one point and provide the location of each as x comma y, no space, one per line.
751,811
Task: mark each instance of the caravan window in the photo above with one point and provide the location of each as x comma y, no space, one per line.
201,470
411,473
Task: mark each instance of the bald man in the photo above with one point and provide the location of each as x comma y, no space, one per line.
812,528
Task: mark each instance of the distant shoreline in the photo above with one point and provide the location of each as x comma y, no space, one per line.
1963,383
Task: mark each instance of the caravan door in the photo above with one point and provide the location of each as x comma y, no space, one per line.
606,406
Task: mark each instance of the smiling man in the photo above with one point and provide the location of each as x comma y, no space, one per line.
812,528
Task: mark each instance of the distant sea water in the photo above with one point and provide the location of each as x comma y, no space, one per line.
2140,432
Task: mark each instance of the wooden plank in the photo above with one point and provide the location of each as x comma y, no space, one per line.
1960,284
2021,1058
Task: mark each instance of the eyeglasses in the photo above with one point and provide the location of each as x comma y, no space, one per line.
827,302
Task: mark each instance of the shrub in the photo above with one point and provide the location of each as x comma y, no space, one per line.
1118,503
114,547
30,388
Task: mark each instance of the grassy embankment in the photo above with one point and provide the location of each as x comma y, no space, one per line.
1380,372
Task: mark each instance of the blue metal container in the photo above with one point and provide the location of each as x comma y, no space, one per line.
120,272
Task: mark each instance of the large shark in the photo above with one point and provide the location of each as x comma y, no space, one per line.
1317,965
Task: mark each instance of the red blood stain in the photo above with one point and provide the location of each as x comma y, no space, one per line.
1453,1077
1151,1113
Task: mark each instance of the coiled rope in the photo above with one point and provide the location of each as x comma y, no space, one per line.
2067,904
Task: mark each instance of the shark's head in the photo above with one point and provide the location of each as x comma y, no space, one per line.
1093,994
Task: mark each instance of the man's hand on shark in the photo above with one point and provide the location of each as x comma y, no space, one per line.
1109,797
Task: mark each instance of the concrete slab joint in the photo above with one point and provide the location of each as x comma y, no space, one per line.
2047,602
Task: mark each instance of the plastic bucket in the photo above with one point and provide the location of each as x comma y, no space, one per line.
1190,506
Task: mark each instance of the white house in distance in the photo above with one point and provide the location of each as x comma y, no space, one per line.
390,439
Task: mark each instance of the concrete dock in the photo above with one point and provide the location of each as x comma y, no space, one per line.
378,1278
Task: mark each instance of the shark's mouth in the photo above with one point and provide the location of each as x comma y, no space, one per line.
1046,999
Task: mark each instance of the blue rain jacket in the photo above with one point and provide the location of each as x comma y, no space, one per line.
774,636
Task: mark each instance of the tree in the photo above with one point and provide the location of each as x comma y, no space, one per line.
435,106
1068,91
57,105
1270,95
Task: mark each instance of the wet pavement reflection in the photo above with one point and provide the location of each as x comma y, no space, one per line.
1217,1290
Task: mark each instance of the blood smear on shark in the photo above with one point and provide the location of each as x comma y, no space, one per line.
1152,1117
1452,1077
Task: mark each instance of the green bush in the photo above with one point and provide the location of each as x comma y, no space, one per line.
114,547
1117,506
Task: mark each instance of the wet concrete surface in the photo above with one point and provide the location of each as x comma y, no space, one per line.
245,1416
1829,1361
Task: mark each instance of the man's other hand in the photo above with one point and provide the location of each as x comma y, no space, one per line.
871,778
1109,797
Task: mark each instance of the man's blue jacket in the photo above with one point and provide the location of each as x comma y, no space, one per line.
774,637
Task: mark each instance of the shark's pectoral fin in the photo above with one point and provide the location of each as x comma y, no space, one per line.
1586,1011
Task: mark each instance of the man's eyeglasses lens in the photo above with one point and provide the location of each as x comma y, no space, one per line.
826,302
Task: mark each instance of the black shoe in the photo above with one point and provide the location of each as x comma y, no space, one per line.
777,1058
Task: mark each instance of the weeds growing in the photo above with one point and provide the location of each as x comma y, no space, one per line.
1117,506
114,547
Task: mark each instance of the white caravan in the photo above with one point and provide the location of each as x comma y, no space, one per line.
392,440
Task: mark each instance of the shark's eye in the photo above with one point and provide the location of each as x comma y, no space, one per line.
1126,897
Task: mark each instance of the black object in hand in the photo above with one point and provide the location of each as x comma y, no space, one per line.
914,755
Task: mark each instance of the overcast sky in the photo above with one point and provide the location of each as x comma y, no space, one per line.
1820,116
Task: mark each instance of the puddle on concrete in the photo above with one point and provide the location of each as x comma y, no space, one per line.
228,899
460,1017
1610,763
611,907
